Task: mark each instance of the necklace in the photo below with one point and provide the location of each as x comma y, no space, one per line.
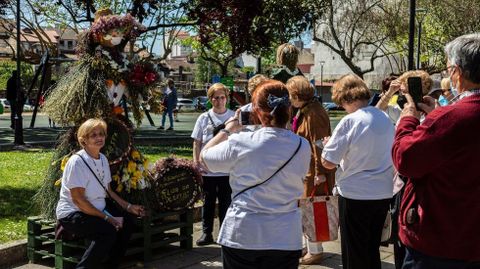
101,175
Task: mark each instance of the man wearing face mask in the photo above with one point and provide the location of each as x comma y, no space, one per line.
439,212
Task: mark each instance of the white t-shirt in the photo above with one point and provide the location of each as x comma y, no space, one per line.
77,175
203,130
393,113
246,108
362,143
267,216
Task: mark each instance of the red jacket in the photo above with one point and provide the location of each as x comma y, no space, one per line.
441,158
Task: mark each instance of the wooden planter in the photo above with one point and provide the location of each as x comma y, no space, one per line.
152,232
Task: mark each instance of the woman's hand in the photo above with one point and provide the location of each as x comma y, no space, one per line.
201,167
136,210
115,222
394,88
319,180
409,109
233,124
325,140
428,105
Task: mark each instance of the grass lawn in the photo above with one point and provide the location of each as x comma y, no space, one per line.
21,174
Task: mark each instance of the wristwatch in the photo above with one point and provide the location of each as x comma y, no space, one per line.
226,131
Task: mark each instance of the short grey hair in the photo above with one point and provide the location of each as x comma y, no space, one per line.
464,52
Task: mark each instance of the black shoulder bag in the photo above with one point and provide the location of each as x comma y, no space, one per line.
216,128
109,200
278,170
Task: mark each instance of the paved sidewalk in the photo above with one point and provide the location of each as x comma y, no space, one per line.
210,257
44,136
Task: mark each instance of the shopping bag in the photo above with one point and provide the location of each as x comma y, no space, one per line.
320,217
387,228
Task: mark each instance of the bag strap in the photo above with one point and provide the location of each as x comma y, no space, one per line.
256,185
213,123
95,175
312,194
211,120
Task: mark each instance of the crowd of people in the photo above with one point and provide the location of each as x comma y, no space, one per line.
418,158
392,151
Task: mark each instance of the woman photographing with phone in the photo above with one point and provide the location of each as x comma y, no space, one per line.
401,86
262,227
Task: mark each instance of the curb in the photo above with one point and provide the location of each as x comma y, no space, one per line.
12,253
139,140
15,252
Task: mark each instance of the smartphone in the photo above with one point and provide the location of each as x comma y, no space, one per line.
245,118
415,89
374,100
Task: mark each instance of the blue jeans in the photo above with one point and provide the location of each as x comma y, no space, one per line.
417,260
170,117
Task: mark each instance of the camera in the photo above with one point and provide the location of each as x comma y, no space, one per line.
245,118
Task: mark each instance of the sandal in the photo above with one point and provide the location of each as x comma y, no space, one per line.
310,259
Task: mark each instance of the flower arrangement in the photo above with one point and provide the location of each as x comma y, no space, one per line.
143,74
177,183
125,25
133,174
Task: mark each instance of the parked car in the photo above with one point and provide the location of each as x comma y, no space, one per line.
185,104
5,103
200,103
329,106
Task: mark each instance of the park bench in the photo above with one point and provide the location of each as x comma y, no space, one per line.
152,232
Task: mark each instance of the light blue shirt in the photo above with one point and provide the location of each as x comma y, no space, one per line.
267,216
361,144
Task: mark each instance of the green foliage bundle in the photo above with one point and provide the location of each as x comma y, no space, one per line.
47,196
79,95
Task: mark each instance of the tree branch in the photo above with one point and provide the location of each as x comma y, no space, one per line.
165,25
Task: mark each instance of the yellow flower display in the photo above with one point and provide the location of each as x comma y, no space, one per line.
64,162
132,175
135,155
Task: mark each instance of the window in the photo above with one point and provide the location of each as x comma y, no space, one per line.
70,44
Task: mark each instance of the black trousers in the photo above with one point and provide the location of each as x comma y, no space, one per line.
398,247
213,188
13,112
361,224
417,260
108,245
260,259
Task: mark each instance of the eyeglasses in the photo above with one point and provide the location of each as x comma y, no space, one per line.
216,98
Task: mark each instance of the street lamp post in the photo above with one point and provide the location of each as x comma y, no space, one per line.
411,35
321,77
18,140
421,12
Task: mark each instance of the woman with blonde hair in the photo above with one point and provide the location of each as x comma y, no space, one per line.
215,185
287,58
360,148
82,209
401,85
311,122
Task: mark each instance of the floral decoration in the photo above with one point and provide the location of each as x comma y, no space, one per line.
143,74
133,175
127,25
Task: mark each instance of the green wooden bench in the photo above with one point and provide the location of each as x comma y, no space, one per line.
152,232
